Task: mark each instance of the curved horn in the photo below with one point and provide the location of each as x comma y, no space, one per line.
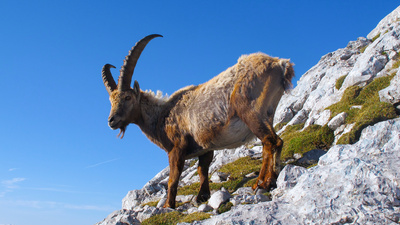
108,80
125,77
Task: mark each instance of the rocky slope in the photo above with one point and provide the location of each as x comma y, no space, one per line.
353,183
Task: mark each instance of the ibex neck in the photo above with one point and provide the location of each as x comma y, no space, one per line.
151,109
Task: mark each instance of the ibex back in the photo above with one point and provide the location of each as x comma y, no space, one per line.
226,112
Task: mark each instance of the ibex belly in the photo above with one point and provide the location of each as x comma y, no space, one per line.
234,135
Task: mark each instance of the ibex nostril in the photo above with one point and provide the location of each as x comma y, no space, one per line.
110,120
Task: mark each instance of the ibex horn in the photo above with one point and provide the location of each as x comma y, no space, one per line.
125,77
108,80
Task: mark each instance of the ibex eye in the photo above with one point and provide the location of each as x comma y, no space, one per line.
127,98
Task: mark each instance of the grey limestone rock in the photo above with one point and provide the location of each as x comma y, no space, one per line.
337,121
391,94
120,217
218,198
358,184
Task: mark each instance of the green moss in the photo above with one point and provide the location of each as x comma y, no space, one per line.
151,203
241,167
313,137
193,162
171,218
192,189
362,50
194,217
348,99
376,37
310,166
250,182
236,170
230,185
397,63
279,126
225,207
339,82
371,112
175,217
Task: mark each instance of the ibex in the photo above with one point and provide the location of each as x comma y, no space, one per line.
226,112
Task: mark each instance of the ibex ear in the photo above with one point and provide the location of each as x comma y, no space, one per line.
136,88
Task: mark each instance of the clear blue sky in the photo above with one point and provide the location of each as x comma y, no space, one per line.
60,163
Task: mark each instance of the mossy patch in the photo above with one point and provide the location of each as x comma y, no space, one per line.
193,162
175,217
236,170
250,182
362,49
241,167
279,126
192,189
225,207
396,64
312,137
376,37
151,203
339,82
371,112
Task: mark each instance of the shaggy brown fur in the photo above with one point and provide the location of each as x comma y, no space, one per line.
226,112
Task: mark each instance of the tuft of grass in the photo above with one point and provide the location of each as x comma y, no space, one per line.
194,217
362,49
313,137
376,37
225,207
339,82
279,126
192,189
170,218
241,167
193,162
348,100
175,217
236,170
372,110
151,203
373,113
397,63
250,183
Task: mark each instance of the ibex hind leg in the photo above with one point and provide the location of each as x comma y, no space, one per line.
204,164
272,147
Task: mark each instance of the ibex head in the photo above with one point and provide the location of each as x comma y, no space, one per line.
125,107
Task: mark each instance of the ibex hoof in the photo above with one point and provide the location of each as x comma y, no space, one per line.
202,198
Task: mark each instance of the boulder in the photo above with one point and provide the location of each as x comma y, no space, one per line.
391,94
219,177
337,121
249,199
218,198
120,217
205,208
311,157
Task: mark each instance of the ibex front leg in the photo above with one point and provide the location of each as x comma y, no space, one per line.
272,146
176,163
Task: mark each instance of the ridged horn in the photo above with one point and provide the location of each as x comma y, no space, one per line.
125,77
108,80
